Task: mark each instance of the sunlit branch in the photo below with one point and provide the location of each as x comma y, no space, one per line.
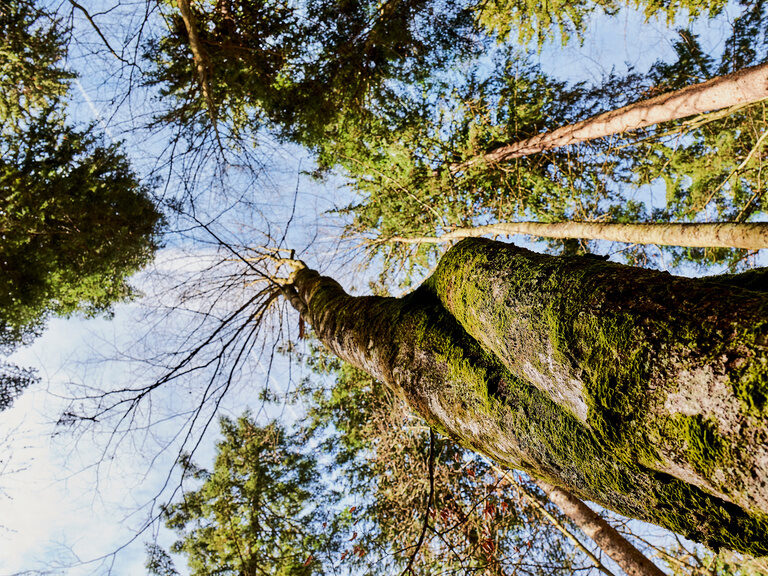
747,235
553,519
742,87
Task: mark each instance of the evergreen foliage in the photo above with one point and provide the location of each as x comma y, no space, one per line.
305,70
712,167
13,381
75,224
540,21
256,512
302,70
31,51
399,162
74,220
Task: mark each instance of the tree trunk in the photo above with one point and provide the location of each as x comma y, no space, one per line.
607,538
198,54
630,559
742,87
643,392
751,236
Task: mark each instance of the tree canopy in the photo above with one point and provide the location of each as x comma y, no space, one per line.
31,72
76,223
302,71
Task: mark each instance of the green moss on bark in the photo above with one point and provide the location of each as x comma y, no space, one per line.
749,378
557,446
624,350
699,440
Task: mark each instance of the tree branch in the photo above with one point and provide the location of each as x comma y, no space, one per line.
747,235
629,558
743,87
200,61
98,31
553,519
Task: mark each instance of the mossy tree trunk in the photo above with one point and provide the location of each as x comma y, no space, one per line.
643,392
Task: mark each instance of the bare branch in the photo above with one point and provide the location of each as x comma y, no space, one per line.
409,567
98,31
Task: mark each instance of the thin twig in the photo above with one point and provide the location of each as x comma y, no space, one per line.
98,31
735,171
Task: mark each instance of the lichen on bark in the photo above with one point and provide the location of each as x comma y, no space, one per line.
632,388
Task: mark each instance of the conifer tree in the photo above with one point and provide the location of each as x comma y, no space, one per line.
75,220
256,511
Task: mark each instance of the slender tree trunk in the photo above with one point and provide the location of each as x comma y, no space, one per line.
751,236
555,521
198,53
607,538
742,87
643,392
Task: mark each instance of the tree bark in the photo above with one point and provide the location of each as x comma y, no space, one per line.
751,236
607,538
643,392
742,87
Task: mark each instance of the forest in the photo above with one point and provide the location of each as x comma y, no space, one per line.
400,287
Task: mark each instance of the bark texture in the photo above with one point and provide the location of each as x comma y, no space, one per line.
643,392
742,87
748,235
